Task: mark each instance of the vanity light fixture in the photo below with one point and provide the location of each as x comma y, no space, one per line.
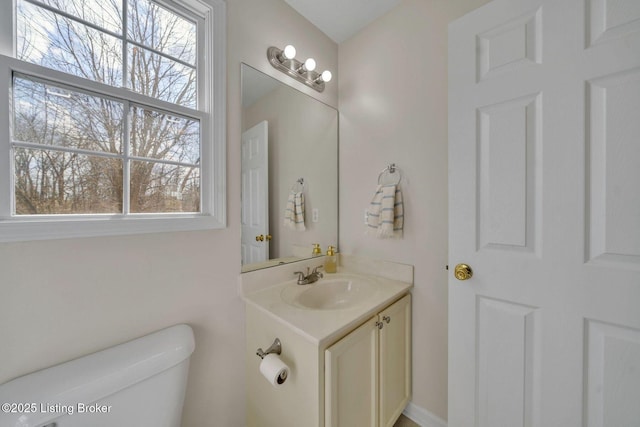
284,60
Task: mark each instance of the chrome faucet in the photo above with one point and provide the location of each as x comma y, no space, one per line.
310,277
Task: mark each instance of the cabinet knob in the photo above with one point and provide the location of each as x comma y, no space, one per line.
380,325
386,319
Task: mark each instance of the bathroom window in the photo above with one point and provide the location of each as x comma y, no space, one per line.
115,120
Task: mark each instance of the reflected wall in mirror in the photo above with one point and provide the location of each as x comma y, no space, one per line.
289,165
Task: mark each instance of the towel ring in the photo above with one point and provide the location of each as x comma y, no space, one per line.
392,169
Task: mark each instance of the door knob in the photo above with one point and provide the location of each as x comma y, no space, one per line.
463,272
260,238
268,237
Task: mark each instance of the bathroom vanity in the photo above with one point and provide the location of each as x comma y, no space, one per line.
346,339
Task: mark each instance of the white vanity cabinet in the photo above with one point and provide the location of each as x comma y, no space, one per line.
345,338
368,372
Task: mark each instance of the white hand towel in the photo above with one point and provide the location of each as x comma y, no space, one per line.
385,215
294,212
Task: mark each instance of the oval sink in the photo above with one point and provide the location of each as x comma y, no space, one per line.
330,294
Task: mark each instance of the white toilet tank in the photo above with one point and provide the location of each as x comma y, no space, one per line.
139,383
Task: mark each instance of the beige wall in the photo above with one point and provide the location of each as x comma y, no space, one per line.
65,298
393,108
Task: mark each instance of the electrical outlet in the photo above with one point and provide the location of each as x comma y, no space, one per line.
314,215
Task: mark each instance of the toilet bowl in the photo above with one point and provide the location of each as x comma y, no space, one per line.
138,383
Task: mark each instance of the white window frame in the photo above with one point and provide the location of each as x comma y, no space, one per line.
211,112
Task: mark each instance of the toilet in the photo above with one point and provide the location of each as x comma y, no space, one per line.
138,383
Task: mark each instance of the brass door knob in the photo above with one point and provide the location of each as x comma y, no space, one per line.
268,237
260,238
463,272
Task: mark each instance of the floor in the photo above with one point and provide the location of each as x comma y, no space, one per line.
405,422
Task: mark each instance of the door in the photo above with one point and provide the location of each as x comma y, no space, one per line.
395,360
255,194
544,125
351,379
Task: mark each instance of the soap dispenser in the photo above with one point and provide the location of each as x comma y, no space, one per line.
331,261
316,250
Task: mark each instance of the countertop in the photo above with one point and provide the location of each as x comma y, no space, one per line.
325,326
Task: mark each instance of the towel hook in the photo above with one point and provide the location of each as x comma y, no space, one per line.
300,183
391,168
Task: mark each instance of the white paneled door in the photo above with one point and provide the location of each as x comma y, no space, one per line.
255,194
544,136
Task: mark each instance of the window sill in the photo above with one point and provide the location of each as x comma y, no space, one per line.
17,230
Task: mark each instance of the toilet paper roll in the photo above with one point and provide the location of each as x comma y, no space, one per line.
274,369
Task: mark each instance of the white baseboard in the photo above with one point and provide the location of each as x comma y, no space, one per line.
423,417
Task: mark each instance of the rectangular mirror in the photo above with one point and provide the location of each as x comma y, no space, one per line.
289,173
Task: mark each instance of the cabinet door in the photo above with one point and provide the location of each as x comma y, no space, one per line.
395,360
351,380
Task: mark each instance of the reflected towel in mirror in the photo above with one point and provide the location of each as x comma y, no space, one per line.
385,214
294,212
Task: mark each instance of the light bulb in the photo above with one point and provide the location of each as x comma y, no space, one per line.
326,76
289,52
310,64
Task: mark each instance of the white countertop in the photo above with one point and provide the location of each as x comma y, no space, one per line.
324,326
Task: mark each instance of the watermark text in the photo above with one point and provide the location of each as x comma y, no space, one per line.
54,408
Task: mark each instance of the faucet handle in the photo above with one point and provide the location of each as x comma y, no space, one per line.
315,270
300,275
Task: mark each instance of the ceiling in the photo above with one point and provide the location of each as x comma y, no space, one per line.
341,19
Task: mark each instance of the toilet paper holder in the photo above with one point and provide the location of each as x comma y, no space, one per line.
276,348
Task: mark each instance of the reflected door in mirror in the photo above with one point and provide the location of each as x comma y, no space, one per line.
255,198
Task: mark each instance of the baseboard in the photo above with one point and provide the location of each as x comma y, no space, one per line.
422,417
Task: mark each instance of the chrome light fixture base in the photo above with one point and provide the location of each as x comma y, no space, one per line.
291,66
